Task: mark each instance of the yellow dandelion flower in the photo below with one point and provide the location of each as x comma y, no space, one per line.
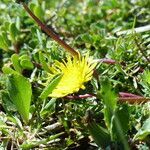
75,72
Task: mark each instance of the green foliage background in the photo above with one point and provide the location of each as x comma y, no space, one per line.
88,26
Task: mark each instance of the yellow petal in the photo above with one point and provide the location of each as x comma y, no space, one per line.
76,71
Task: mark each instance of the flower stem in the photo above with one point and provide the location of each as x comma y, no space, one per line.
123,97
50,32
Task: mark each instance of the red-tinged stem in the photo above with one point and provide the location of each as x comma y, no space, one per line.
50,32
107,61
133,100
80,96
123,97
125,94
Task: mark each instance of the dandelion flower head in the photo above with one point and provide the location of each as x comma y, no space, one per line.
75,72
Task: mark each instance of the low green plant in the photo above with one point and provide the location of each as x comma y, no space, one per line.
109,110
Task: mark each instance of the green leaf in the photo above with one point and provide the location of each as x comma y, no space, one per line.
99,134
109,99
24,57
7,103
8,70
3,43
144,131
15,61
19,89
48,108
39,36
43,62
146,76
39,12
13,32
122,117
26,64
51,86
16,121
119,125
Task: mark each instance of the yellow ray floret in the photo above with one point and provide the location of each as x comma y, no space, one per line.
76,71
